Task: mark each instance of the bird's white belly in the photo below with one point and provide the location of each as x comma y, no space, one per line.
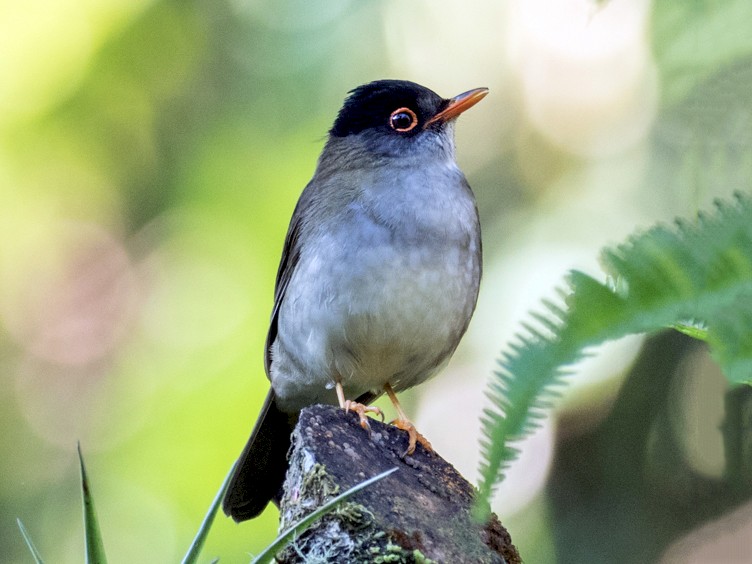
373,315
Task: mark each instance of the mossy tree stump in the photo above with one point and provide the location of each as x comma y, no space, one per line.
421,513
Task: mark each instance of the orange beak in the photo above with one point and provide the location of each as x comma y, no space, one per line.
458,104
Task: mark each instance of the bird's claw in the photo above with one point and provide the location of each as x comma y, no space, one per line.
361,410
414,436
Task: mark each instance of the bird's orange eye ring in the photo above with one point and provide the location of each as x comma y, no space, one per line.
403,120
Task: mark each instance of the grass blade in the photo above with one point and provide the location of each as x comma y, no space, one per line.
198,541
302,525
27,538
696,332
94,547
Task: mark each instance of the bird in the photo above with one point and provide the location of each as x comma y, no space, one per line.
378,279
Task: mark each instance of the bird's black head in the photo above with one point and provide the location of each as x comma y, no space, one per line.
398,107
395,118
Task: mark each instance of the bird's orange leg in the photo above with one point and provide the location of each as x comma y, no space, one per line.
402,422
359,408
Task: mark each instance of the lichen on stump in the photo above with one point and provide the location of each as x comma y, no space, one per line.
421,513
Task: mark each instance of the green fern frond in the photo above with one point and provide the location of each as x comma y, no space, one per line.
699,270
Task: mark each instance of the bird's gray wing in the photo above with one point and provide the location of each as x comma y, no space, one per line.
287,264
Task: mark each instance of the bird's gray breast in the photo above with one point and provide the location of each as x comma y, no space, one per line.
384,288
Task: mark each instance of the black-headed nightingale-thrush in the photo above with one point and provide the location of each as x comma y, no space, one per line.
378,278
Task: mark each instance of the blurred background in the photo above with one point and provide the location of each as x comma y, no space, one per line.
151,153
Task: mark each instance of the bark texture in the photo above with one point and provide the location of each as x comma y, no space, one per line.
421,513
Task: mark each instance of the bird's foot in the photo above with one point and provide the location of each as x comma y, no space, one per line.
361,410
413,435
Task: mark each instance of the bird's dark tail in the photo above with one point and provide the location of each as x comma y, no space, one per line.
261,468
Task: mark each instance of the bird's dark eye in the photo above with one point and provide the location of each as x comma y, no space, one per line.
403,119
